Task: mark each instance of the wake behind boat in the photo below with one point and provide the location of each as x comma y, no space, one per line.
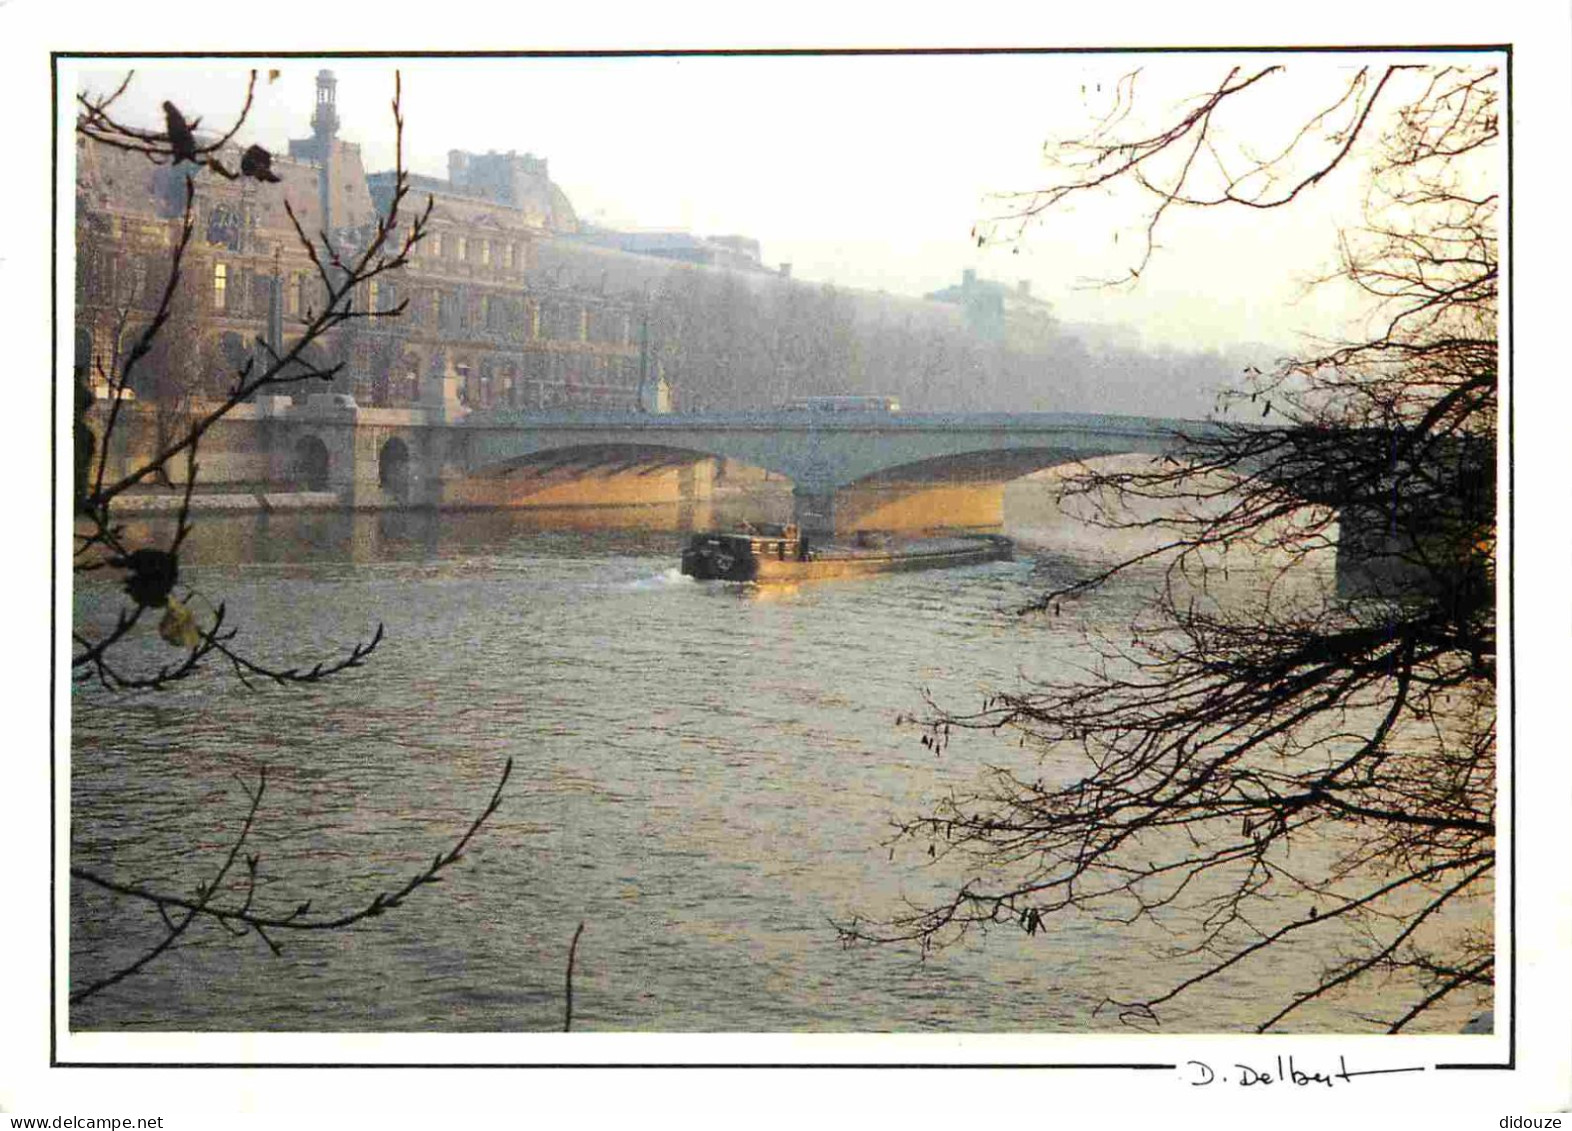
782,553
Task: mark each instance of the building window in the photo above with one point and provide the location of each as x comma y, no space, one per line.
507,255
243,291
220,282
436,245
463,248
372,296
485,253
499,313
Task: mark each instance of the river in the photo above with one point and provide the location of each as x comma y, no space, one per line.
705,776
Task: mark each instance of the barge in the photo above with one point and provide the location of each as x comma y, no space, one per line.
781,553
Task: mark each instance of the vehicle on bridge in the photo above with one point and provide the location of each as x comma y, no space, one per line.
781,553
843,404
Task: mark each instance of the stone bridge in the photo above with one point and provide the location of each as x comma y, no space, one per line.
823,454
952,467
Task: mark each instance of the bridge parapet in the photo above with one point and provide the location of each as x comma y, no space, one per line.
793,421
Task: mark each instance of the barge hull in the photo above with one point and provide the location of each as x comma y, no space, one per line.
782,567
868,565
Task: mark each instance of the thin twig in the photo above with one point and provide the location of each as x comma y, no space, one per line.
567,1008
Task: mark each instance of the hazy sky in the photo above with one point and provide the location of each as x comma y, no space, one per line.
863,171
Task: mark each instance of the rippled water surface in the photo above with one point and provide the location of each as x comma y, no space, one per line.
704,775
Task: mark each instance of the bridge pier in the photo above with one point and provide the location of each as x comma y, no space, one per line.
813,509
1377,557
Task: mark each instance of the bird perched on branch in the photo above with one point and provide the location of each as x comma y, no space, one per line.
258,162
153,574
182,142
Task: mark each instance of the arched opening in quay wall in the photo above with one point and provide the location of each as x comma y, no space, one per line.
393,469
310,465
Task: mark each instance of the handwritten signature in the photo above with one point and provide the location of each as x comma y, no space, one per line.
1284,1071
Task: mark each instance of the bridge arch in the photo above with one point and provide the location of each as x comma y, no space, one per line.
960,489
506,449
585,471
593,458
956,489
830,458
982,465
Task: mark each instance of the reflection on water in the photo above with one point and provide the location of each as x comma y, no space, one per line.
705,781
369,536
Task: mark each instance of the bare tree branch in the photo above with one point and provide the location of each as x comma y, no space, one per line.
1251,711
242,917
103,545
151,571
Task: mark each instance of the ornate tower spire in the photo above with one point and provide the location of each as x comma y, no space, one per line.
324,120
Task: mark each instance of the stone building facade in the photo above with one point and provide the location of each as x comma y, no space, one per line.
511,299
475,309
997,313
